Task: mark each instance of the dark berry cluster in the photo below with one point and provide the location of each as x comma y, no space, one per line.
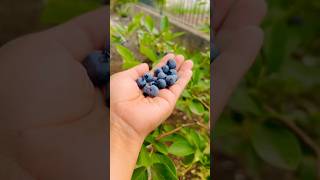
97,66
164,77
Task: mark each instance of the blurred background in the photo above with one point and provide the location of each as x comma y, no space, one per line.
271,127
21,17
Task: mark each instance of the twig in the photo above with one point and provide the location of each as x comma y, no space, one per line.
149,173
300,133
174,130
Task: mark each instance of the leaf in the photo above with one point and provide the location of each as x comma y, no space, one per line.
159,158
127,56
161,172
148,52
149,23
277,146
144,158
140,174
195,138
276,46
161,147
243,103
164,23
196,107
181,148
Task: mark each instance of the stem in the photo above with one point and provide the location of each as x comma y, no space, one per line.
149,173
300,133
174,130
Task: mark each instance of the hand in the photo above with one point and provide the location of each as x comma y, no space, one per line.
133,115
53,120
143,114
239,39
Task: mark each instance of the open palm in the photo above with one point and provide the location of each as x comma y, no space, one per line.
144,114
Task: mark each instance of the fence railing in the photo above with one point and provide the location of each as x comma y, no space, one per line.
195,13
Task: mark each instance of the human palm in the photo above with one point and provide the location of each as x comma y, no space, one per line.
144,114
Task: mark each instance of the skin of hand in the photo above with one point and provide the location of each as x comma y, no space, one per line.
53,120
134,116
238,37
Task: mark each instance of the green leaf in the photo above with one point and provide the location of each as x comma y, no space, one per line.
127,56
161,172
159,158
144,158
195,138
140,174
276,46
149,23
148,52
196,107
277,146
243,103
161,147
164,24
181,148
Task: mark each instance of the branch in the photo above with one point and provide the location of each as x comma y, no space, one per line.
300,133
174,130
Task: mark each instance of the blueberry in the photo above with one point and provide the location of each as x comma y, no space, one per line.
172,64
97,66
157,71
161,83
146,89
154,91
165,69
162,75
172,72
141,82
148,77
152,83
171,79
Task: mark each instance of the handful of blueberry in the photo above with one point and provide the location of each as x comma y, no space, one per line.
164,77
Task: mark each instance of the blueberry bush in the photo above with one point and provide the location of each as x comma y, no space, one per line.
179,148
271,125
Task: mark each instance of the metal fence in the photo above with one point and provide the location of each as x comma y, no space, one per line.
195,13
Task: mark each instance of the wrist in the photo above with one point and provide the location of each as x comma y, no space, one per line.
123,131
125,144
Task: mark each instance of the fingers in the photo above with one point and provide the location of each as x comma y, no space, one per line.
137,71
179,60
185,74
220,11
83,34
173,93
245,13
232,64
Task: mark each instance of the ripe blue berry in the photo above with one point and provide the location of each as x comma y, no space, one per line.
162,75
146,89
165,69
171,79
152,83
157,71
97,67
148,77
172,72
154,91
141,82
161,83
172,64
